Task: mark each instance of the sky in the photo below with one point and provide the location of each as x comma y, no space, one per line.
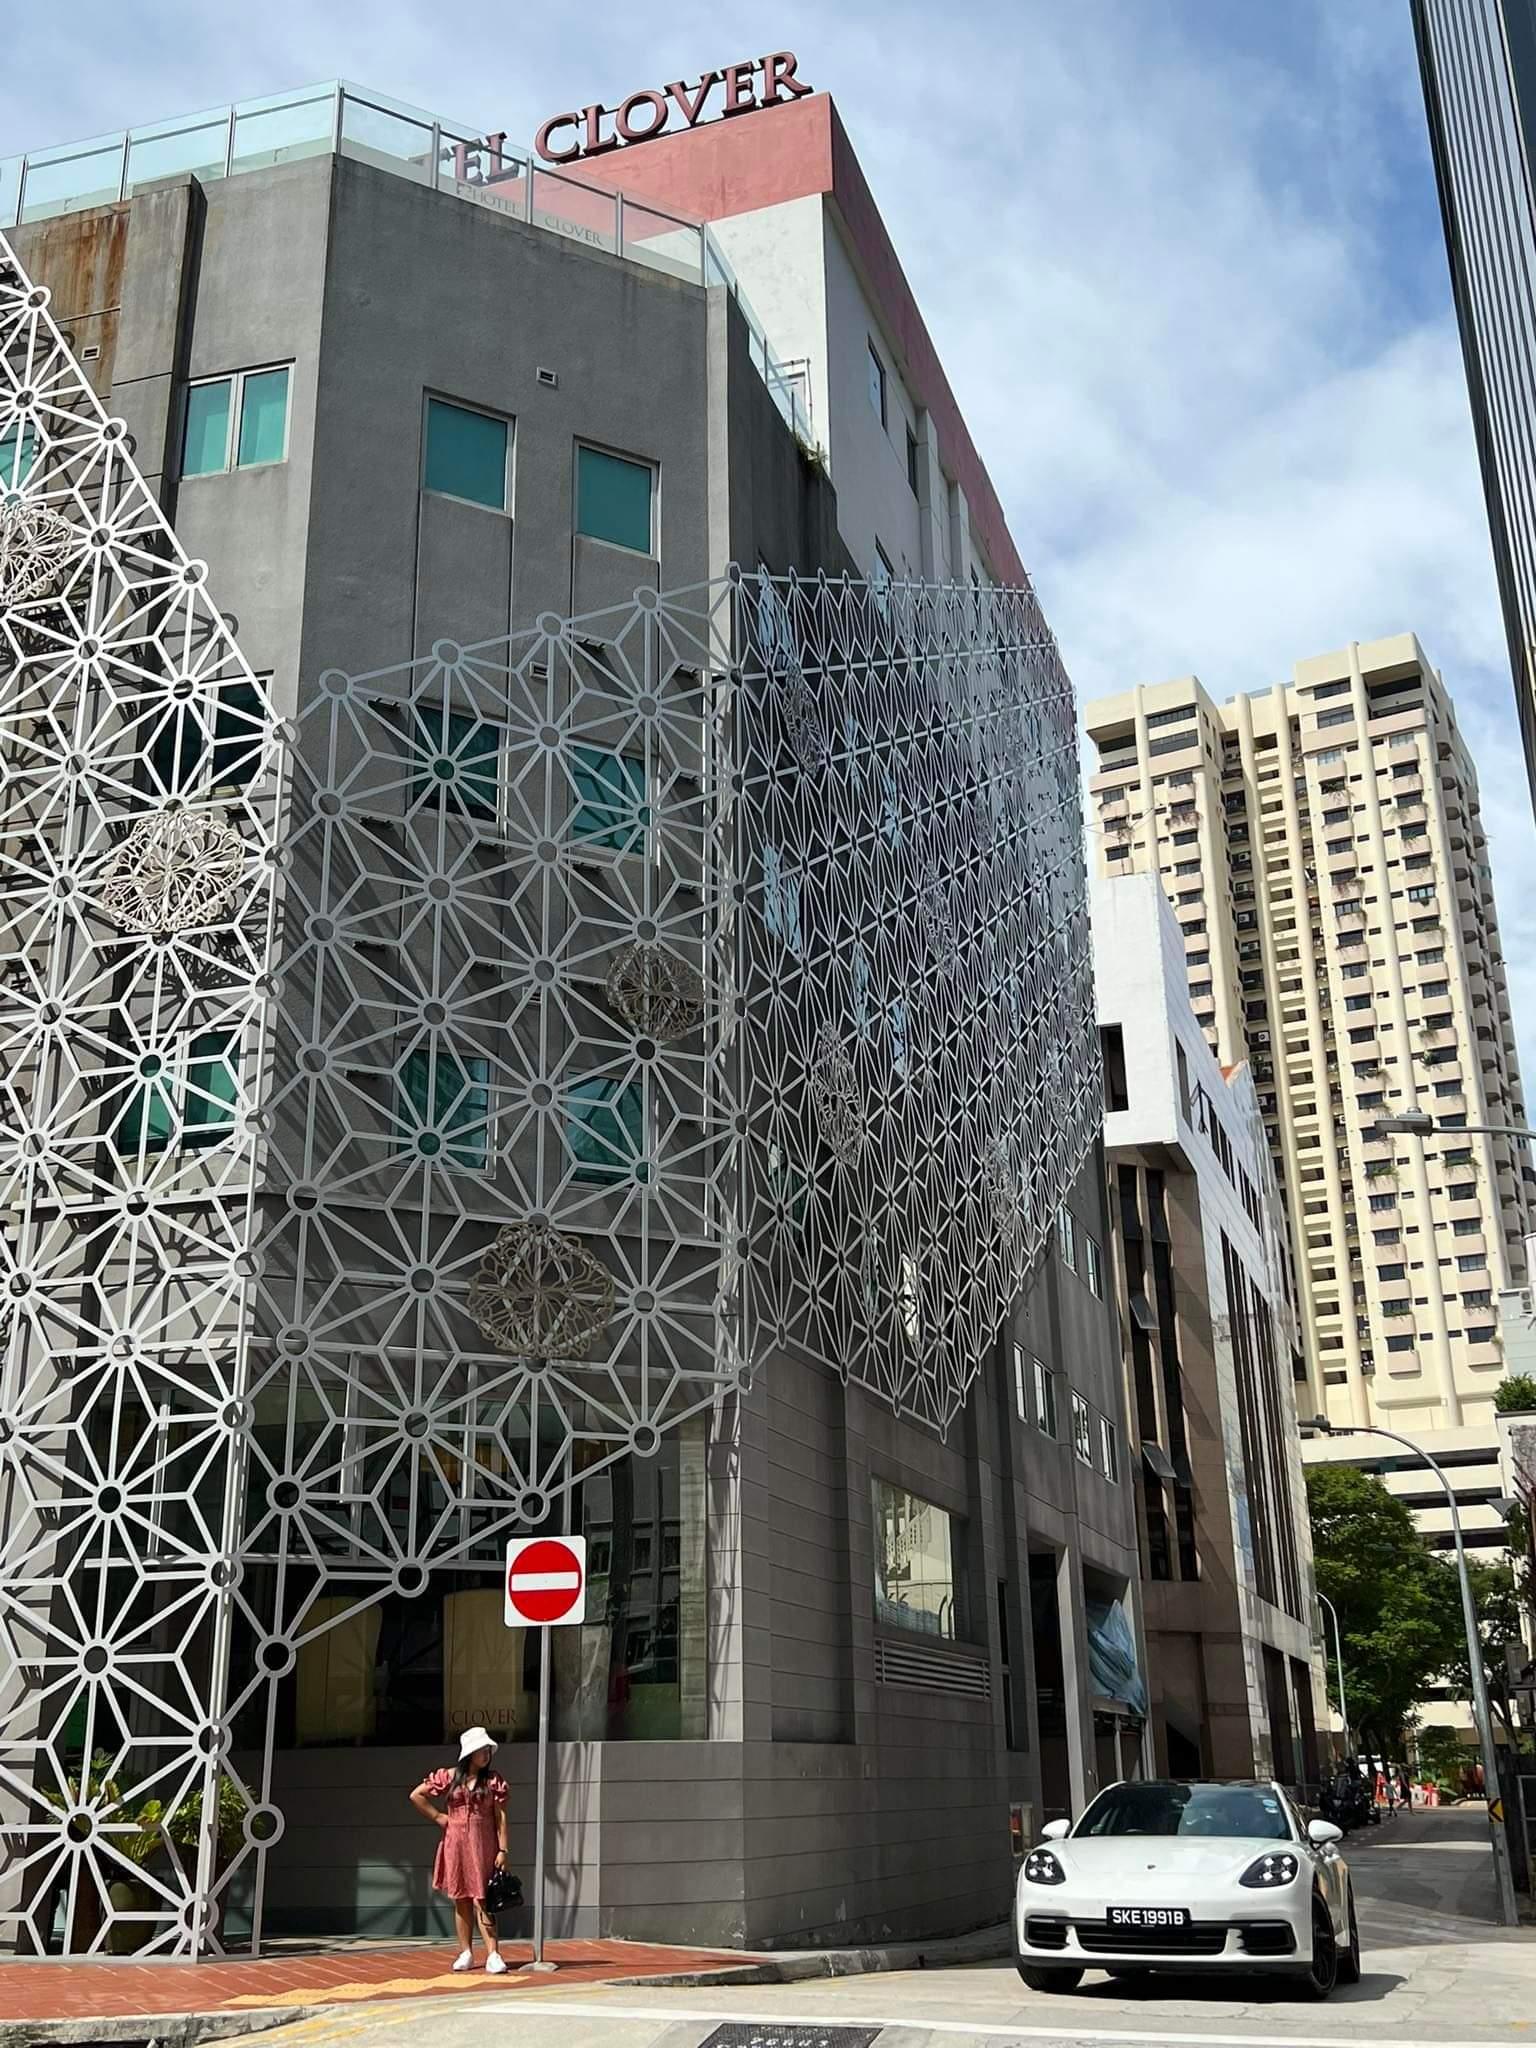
1182,260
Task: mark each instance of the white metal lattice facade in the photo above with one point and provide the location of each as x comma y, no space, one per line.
409,1109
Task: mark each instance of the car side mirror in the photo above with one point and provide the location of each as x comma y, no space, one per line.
1055,1830
1321,1832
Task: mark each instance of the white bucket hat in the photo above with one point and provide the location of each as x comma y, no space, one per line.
473,1739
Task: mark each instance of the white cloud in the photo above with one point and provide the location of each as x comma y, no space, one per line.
1182,262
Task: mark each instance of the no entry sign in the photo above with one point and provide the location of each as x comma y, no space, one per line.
546,1581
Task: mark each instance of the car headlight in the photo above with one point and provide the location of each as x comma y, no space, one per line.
1041,1867
1269,1871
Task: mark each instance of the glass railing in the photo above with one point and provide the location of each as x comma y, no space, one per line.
255,135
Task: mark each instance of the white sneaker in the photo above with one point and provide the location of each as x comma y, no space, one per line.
495,1966
465,1960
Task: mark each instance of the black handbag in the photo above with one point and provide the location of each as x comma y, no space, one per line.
503,1891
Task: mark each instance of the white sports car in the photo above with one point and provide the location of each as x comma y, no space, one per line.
1162,1875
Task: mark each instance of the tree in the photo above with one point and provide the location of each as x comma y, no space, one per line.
1399,1631
1516,1395
1497,1600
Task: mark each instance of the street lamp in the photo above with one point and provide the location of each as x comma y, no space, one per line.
1480,1709
1338,1656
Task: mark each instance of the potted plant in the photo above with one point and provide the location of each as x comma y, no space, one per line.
1516,1395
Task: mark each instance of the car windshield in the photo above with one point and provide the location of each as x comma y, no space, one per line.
1216,1811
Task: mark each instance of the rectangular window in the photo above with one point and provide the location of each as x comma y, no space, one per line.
611,811
454,759
1399,1343
916,1581
877,385
614,500
1343,716
212,1087
18,455
205,448
1093,1266
466,455
605,1132
1109,1450
1066,1237
1082,1429
1381,1202
1112,1048
445,1105
263,435
912,469
236,422
1467,1226
1471,1262
1045,1398
1357,1002
195,1084
1020,1384
181,742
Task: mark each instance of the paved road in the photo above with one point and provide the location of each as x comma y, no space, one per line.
1438,1971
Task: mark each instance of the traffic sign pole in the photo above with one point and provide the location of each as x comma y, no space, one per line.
546,1589
541,1804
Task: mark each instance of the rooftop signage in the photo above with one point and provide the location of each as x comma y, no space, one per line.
743,89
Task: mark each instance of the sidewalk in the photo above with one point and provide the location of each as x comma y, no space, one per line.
178,2004
43,1999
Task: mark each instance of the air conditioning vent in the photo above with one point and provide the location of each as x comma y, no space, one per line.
923,1668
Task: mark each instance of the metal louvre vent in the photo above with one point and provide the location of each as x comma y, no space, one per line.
932,1670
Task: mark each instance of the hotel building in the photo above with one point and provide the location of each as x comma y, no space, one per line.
546,986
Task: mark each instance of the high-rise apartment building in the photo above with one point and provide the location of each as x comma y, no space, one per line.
1322,848
1477,59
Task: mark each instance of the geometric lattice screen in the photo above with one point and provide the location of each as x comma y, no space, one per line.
411,1107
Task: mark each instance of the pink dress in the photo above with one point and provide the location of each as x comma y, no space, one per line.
466,1848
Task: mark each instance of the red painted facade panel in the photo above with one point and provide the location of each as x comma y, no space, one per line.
789,151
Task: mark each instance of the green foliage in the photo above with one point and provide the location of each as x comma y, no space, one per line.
184,1820
1398,1602
1516,1394
1443,1756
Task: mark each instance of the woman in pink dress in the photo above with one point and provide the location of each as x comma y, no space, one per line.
473,1818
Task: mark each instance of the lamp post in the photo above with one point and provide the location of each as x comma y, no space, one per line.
1481,1713
1338,1658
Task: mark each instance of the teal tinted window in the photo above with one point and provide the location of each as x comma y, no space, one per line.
466,454
611,810
613,499
213,1087
179,746
237,735
149,1117
605,1131
206,449
18,454
263,418
176,749
456,760
446,1109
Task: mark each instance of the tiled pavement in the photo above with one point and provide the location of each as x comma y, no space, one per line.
44,1990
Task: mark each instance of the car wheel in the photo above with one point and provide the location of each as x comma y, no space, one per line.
1049,1978
1349,1959
1324,1971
